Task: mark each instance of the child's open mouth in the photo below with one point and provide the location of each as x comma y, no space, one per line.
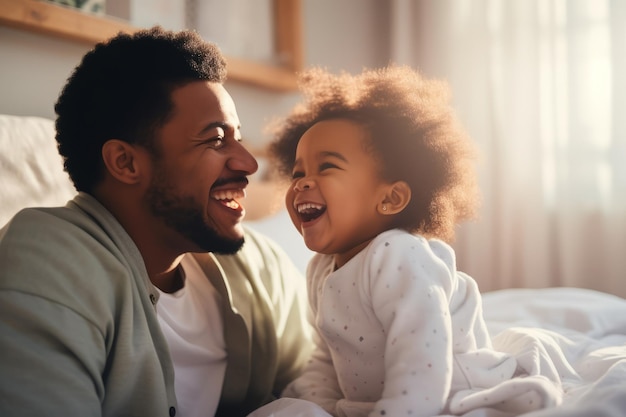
310,211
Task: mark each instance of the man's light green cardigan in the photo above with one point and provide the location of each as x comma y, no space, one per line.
79,335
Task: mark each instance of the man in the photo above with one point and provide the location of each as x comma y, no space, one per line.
152,142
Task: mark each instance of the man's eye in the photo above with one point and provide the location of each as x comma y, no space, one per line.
216,142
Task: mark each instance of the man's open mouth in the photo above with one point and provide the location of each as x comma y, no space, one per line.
310,211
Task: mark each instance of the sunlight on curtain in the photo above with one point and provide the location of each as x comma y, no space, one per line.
540,86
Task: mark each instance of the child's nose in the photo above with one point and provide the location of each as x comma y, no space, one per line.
303,183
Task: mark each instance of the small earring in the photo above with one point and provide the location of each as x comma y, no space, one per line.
384,207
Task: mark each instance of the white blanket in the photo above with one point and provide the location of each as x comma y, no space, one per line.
584,336
574,336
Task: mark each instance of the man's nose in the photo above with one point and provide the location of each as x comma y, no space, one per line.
242,160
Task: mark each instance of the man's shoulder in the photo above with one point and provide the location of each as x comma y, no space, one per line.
57,229
33,224
57,253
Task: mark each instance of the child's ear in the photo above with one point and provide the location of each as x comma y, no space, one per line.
396,198
120,159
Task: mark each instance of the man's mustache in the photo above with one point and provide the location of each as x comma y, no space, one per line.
242,180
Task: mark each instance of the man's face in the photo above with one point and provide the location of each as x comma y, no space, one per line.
200,173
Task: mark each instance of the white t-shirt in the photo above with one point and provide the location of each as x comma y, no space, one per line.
191,321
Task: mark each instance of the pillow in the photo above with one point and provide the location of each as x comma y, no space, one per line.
31,169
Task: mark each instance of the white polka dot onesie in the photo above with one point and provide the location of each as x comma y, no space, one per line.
399,331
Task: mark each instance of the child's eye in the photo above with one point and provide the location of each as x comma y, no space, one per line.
296,175
327,165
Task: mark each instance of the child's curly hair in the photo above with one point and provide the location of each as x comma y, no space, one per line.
414,134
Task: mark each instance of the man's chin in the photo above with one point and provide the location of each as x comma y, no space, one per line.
229,247
211,240
236,241
227,242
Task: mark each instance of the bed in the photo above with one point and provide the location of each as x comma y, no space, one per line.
582,332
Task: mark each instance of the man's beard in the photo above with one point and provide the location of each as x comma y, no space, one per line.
184,215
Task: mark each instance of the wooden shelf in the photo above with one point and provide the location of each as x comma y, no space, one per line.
54,20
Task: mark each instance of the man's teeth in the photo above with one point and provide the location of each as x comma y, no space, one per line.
229,197
308,206
229,194
232,204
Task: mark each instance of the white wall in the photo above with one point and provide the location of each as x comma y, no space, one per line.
33,69
346,34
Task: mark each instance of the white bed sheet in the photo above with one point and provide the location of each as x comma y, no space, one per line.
579,338
584,332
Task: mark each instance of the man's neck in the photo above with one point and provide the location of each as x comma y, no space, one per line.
169,281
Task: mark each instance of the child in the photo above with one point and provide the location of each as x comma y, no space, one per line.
381,175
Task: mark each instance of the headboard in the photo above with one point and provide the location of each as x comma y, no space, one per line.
31,169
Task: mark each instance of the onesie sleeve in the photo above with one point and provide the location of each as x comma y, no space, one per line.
318,383
410,290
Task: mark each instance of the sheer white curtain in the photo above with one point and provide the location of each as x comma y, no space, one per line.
541,87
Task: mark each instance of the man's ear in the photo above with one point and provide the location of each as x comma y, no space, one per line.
397,197
120,159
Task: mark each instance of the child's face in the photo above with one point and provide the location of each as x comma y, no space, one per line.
336,194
